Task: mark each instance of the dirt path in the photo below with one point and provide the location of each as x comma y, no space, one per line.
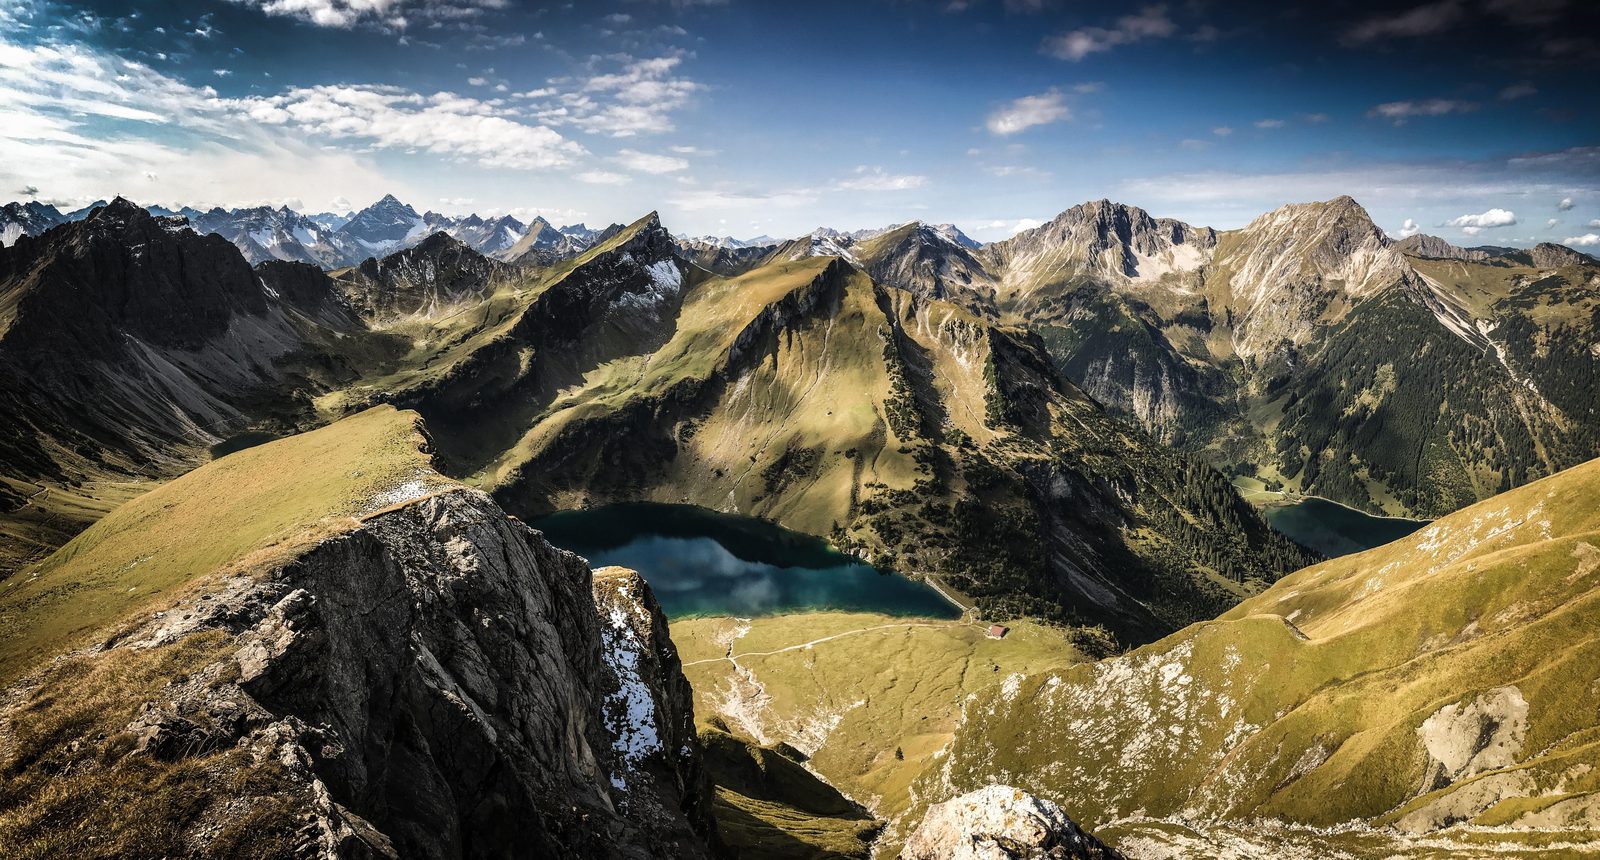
734,658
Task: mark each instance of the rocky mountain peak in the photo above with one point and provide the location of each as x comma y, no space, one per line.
1423,245
435,244
1549,255
120,210
1287,267
1109,240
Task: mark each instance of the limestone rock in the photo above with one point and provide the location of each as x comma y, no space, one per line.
1001,823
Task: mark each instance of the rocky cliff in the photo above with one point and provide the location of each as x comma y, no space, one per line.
1423,245
999,822
430,680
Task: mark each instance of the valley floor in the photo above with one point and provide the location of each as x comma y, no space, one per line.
870,699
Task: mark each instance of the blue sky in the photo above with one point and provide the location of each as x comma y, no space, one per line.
1471,119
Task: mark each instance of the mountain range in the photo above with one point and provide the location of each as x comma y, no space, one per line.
330,240
265,578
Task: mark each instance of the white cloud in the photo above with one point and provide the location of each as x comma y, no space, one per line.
1420,21
730,197
692,150
1001,228
602,177
1269,123
1409,228
1222,131
1517,91
639,99
1151,23
387,14
1565,204
1472,225
1400,111
876,179
648,162
1595,223
1010,170
442,123
1404,111
82,123
1587,240
1551,223
1432,191
1026,112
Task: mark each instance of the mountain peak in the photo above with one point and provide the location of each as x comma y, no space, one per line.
1549,255
121,210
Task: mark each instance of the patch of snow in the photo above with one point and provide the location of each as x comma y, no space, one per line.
630,710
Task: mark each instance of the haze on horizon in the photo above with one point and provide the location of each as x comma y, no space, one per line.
1468,119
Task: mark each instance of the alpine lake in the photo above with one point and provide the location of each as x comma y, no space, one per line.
703,563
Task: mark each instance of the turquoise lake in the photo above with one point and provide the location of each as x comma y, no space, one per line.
700,562
1333,529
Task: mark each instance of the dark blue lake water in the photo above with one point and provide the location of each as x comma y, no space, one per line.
701,562
1333,529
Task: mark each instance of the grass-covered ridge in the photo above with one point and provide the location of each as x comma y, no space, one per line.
870,699
240,513
1445,678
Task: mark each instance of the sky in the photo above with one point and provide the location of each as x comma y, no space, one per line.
1474,120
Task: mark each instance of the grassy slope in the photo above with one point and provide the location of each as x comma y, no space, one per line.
877,684
826,400
241,512
1242,717
65,737
768,805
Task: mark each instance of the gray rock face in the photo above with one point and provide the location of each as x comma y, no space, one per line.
434,277
1548,255
1424,245
1001,823
441,684
1099,239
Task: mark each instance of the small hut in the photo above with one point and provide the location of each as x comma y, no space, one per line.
998,631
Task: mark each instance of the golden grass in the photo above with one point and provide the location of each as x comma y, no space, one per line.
70,787
245,511
894,683
1502,593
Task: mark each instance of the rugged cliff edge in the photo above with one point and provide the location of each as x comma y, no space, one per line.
431,680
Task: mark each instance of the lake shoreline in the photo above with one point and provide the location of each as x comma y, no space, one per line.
1284,499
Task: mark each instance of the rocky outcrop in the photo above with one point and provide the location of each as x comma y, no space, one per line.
542,244
1300,266
1436,248
433,277
1099,240
930,263
436,683
728,260
1001,823
1548,255
648,711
